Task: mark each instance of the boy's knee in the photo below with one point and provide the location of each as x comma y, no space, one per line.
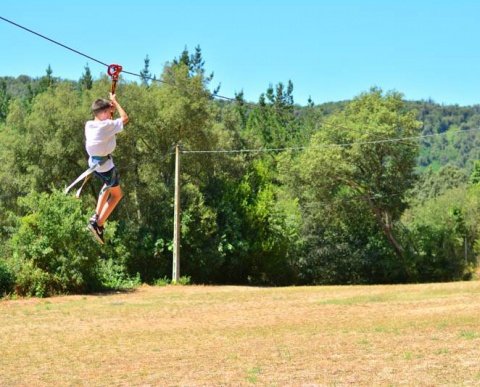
117,192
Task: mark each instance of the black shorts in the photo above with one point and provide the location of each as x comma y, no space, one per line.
110,178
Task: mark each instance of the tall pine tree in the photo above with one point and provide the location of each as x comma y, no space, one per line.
86,81
145,73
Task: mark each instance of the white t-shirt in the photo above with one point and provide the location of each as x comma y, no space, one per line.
100,140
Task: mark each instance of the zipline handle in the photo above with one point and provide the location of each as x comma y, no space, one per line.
114,71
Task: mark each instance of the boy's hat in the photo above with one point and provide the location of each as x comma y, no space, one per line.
100,105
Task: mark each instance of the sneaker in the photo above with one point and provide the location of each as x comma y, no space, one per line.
96,230
100,230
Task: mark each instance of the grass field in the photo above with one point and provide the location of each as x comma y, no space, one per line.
211,336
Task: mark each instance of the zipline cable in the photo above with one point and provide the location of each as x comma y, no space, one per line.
96,60
54,41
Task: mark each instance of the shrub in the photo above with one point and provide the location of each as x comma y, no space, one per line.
114,277
52,252
33,281
7,279
182,281
444,232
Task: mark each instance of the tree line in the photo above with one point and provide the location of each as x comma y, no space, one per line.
337,193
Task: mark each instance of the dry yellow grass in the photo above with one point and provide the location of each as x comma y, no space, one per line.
229,336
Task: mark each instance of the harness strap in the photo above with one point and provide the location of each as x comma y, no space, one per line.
85,176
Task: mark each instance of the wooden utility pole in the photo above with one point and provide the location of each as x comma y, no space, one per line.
176,219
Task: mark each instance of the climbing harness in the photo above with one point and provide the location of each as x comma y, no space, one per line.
114,72
86,175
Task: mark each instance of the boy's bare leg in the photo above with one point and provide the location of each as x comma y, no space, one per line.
102,199
113,196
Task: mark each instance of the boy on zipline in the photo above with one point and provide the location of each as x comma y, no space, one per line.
100,135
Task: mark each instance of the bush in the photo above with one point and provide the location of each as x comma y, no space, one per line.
52,252
7,279
32,281
444,233
114,277
182,281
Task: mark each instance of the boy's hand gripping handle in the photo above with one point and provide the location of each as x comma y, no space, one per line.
114,71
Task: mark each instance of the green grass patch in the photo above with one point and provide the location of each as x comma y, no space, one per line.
469,335
252,374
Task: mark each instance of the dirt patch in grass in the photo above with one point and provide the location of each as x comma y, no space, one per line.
201,335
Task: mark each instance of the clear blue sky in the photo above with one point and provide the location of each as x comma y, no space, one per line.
331,50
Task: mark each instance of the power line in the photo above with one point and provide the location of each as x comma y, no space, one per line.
323,146
257,150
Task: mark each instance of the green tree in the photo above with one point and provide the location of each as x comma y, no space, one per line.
46,140
273,121
145,73
4,101
46,81
444,233
352,158
86,80
475,175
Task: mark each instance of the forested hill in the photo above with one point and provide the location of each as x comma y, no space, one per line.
458,149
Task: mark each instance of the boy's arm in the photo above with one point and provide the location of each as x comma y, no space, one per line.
122,113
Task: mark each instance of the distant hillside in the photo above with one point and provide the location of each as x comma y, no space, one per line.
460,146
459,127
